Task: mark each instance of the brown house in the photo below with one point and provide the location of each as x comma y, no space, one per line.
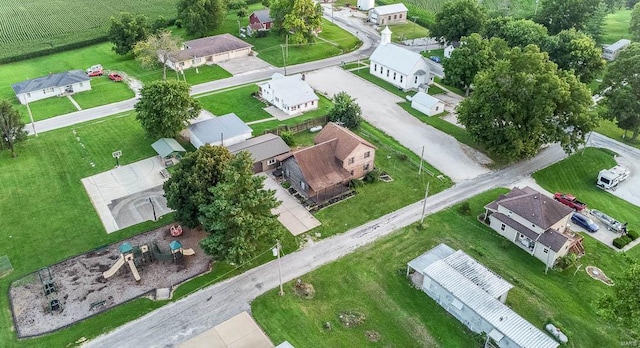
323,171
263,149
207,50
260,20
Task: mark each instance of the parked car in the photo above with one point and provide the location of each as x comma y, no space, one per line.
570,201
610,223
115,77
436,59
95,70
584,222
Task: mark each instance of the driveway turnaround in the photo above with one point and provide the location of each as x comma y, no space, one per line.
379,107
127,195
240,331
291,213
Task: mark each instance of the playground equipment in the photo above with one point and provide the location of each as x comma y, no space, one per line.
49,288
175,254
131,256
175,230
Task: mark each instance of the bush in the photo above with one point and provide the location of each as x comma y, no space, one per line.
236,4
403,156
178,23
632,234
288,138
464,208
620,242
286,184
355,183
372,176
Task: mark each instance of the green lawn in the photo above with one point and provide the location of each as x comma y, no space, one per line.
577,175
46,108
365,74
238,100
453,89
324,105
407,31
610,129
372,281
103,91
616,26
433,90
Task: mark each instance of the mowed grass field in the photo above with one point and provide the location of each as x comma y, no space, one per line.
34,25
616,26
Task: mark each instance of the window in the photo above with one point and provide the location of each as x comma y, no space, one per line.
502,227
81,84
375,67
47,90
401,78
389,18
366,167
387,72
303,186
313,102
271,162
395,16
394,76
437,108
367,154
352,160
415,80
28,95
400,15
381,69
305,105
545,250
351,172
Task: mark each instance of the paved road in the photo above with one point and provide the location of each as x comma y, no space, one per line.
181,320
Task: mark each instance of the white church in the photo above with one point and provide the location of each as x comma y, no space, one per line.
402,68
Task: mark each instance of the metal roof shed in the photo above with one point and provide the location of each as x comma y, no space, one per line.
223,130
168,147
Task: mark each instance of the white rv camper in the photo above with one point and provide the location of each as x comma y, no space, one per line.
609,179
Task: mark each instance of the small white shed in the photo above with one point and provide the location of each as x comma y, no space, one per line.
427,104
224,130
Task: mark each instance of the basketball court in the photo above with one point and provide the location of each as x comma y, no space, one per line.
240,331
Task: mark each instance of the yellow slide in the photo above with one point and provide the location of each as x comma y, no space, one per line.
188,252
116,266
134,270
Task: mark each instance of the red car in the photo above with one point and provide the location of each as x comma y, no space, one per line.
95,73
115,77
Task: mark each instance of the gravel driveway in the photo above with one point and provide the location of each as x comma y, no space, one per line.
379,108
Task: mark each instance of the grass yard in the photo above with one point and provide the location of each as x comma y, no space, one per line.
407,31
372,281
610,129
36,25
616,26
453,89
365,74
103,91
46,108
238,100
333,41
324,105
433,90
577,175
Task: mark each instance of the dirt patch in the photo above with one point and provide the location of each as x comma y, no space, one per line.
82,290
596,273
352,318
304,290
373,336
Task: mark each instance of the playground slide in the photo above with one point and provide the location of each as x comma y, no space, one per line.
188,252
116,266
134,270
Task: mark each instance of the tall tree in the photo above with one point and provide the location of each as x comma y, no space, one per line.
345,110
156,50
11,127
165,107
473,55
621,89
188,188
127,30
300,19
516,32
594,25
457,19
574,50
634,24
239,215
523,102
558,15
201,16
623,304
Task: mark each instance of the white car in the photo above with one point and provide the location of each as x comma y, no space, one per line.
94,68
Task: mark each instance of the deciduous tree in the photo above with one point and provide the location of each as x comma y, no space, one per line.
346,111
11,127
634,24
165,107
624,303
298,18
457,19
558,15
201,16
594,25
239,215
188,188
621,89
523,102
156,50
126,30
574,50
516,32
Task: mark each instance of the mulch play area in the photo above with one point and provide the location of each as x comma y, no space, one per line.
78,289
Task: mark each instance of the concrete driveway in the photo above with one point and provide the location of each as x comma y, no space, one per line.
291,213
240,331
379,107
243,65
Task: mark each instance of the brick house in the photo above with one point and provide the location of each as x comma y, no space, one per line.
207,50
260,20
388,14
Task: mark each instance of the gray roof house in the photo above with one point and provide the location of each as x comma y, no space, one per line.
399,66
263,149
611,52
260,20
223,130
536,223
168,147
427,104
52,85
388,14
207,50
475,296
291,94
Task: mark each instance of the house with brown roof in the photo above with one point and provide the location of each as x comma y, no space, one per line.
207,50
536,223
324,170
260,20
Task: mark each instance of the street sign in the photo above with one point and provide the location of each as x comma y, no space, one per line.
116,154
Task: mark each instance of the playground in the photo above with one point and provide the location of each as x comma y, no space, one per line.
149,265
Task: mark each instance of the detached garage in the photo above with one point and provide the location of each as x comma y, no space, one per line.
427,104
223,130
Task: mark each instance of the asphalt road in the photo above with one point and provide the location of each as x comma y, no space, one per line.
181,320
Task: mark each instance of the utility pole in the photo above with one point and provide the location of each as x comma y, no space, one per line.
421,156
284,59
415,18
33,124
424,206
586,143
276,252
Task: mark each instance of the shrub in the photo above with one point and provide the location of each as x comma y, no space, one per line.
178,23
464,208
632,234
236,4
288,138
620,242
355,183
372,176
286,184
403,156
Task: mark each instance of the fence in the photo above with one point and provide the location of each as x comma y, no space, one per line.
299,127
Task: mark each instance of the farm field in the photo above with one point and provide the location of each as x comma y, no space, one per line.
36,25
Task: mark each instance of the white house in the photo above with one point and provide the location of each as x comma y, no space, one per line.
400,67
611,52
224,130
52,85
427,104
475,296
207,50
536,223
290,94
388,14
450,48
365,5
